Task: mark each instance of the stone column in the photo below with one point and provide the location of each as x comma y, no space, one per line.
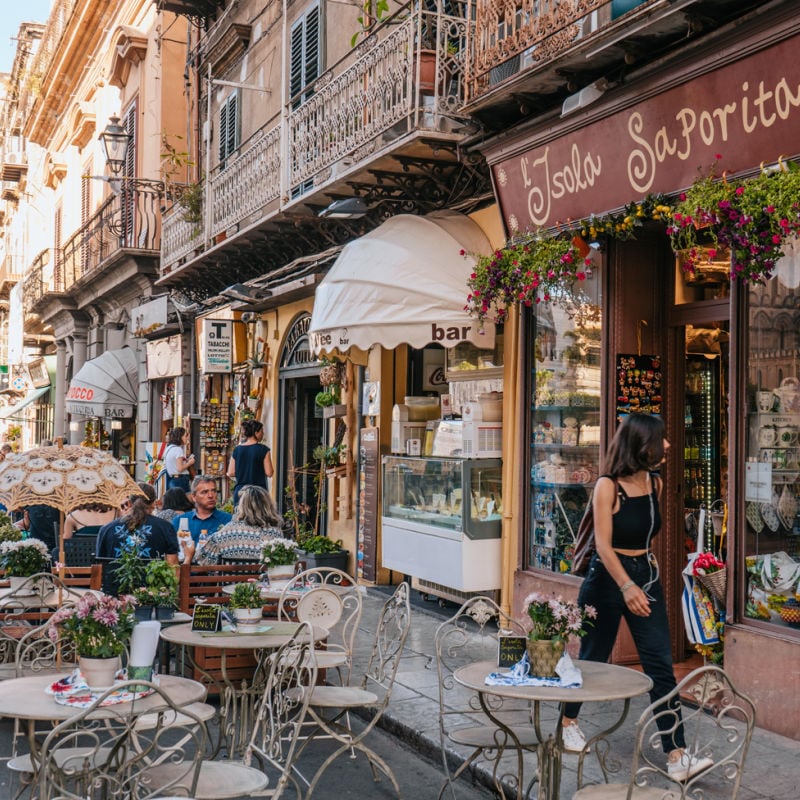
59,413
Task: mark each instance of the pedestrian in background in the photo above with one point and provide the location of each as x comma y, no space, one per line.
176,462
251,461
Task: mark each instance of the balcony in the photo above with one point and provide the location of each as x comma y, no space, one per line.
383,124
529,55
10,273
127,223
13,165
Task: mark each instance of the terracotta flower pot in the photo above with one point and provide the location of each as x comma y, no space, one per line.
99,673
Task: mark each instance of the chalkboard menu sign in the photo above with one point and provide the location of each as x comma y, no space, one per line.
206,619
369,463
510,650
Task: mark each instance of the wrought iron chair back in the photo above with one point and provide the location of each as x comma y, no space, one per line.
718,724
89,758
329,705
328,598
472,635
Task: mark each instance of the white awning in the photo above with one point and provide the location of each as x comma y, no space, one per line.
403,283
106,386
10,412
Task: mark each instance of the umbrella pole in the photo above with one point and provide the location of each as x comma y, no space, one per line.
61,558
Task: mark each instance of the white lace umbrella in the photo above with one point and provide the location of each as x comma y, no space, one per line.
64,477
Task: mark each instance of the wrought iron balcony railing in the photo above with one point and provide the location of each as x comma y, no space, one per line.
38,281
407,76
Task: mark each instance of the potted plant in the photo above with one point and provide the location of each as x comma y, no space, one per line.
100,627
159,595
129,566
279,556
23,558
553,621
321,551
252,399
247,603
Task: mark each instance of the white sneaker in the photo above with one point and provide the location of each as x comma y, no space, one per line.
687,766
572,738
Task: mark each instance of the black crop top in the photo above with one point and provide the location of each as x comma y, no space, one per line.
630,525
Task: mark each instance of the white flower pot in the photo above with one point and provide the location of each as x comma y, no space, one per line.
99,673
284,572
15,584
247,616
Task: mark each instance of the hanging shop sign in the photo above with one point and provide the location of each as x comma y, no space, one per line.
216,345
149,317
638,384
747,112
164,358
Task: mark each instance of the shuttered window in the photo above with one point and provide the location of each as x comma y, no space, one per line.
306,56
128,194
229,127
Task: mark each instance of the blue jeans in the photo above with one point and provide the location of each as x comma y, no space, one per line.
179,482
650,634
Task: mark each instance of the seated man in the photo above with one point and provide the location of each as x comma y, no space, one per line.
206,517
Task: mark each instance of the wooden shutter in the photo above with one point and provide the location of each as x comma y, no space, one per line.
128,193
229,126
304,58
58,256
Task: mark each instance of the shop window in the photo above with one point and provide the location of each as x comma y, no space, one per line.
772,469
564,358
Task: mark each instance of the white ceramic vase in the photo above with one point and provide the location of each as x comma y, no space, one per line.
247,616
285,572
99,673
16,582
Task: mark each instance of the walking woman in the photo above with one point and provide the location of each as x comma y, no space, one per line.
251,461
176,462
623,578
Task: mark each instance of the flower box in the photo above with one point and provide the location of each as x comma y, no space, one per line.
337,410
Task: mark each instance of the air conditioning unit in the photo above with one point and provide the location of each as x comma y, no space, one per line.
481,439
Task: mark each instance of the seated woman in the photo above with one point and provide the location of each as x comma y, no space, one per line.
174,502
255,520
87,520
156,537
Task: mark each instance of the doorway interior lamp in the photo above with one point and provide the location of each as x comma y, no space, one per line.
116,141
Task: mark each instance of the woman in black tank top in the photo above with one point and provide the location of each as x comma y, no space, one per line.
622,579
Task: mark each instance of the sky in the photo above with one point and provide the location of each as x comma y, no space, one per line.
11,14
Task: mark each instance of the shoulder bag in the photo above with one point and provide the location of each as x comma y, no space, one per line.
584,540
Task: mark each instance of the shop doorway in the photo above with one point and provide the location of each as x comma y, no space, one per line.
301,428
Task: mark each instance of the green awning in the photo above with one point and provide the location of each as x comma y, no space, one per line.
9,412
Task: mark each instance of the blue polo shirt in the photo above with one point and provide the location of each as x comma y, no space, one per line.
209,524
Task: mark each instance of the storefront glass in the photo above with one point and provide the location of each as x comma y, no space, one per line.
565,422
772,470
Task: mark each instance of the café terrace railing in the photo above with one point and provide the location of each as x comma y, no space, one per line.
128,220
379,92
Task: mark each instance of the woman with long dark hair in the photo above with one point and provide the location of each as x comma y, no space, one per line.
623,579
176,462
174,502
155,537
251,461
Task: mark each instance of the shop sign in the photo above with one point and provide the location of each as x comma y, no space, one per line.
748,112
216,345
164,358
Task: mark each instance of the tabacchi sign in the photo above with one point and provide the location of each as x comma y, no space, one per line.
748,112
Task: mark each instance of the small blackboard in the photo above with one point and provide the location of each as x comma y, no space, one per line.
510,650
206,619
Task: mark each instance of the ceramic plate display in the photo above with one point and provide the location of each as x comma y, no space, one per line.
787,507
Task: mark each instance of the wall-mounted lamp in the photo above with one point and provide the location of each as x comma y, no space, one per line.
116,424
244,293
74,426
586,96
346,208
116,141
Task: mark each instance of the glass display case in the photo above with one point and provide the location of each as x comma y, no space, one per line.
441,520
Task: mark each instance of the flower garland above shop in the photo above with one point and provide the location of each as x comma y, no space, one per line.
748,221
546,267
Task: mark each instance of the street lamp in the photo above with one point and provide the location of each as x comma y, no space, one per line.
116,141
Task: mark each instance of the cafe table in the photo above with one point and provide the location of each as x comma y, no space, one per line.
25,699
601,683
236,712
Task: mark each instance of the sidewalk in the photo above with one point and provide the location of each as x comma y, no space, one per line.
412,716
